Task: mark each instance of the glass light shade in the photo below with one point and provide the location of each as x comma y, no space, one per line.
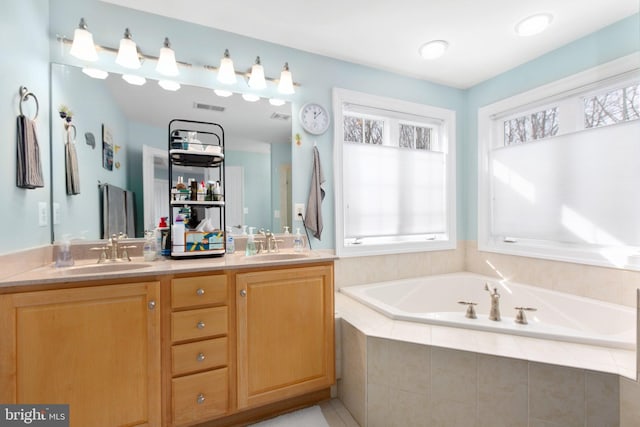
257,81
226,72
82,46
128,52
132,79
169,85
285,85
276,102
433,49
533,25
167,65
223,93
250,97
95,73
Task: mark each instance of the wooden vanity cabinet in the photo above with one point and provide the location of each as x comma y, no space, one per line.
199,330
95,348
285,333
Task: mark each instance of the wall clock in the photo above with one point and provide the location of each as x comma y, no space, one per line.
314,118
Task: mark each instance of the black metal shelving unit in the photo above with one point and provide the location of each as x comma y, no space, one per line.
198,147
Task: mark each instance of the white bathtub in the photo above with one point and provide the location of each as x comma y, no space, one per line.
559,316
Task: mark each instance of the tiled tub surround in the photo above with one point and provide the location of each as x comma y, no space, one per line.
408,374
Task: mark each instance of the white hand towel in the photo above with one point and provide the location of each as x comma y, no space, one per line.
72,174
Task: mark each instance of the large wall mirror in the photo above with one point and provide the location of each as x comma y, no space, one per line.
131,122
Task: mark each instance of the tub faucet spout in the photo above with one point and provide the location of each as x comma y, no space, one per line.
494,313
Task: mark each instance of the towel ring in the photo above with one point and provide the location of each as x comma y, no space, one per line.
68,128
24,94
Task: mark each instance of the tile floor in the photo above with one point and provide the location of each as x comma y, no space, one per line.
336,414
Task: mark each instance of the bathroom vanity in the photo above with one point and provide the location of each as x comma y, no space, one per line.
177,343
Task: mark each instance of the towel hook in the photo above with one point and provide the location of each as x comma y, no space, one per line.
24,94
68,128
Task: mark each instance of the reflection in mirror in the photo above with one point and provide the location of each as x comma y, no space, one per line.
121,139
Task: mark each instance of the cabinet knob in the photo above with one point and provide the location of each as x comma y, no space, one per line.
200,325
200,292
151,304
200,357
243,292
200,399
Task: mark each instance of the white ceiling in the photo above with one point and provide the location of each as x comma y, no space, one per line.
387,34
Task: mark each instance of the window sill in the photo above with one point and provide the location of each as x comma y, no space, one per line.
394,248
610,257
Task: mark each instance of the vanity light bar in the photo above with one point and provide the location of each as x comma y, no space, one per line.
144,56
115,51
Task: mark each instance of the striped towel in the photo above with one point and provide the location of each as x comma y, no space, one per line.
71,163
29,168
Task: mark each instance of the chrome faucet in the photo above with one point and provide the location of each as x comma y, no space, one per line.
270,241
494,313
113,250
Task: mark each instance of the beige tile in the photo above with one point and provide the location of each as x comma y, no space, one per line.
629,403
377,360
602,399
378,406
407,409
453,377
542,423
449,413
502,392
330,414
351,388
409,367
557,394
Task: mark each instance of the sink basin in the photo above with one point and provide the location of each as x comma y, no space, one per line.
280,256
104,268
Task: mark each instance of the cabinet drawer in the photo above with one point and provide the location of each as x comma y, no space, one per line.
192,324
200,396
197,356
194,291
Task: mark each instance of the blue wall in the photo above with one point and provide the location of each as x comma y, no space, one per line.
33,25
24,61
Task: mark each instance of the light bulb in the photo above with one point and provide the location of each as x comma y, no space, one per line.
95,73
223,93
226,72
257,81
82,46
285,85
169,85
132,79
128,52
433,49
167,61
250,97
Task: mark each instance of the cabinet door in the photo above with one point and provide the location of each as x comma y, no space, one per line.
95,348
285,333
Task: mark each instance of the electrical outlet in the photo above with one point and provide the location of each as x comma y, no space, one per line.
299,210
43,215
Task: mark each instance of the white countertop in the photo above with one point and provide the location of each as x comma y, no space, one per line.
51,275
596,358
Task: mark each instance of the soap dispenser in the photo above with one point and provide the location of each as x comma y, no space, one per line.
298,244
251,244
64,257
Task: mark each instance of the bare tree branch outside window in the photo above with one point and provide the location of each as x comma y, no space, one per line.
619,105
531,127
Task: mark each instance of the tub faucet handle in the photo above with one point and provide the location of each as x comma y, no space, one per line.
471,311
520,317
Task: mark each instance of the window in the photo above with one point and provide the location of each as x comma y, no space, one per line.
559,168
395,175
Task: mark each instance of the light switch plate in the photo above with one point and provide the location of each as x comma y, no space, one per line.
56,213
43,215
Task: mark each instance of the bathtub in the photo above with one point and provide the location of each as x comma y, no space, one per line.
559,316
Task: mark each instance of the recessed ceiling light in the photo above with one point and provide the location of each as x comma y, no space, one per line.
534,24
433,49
